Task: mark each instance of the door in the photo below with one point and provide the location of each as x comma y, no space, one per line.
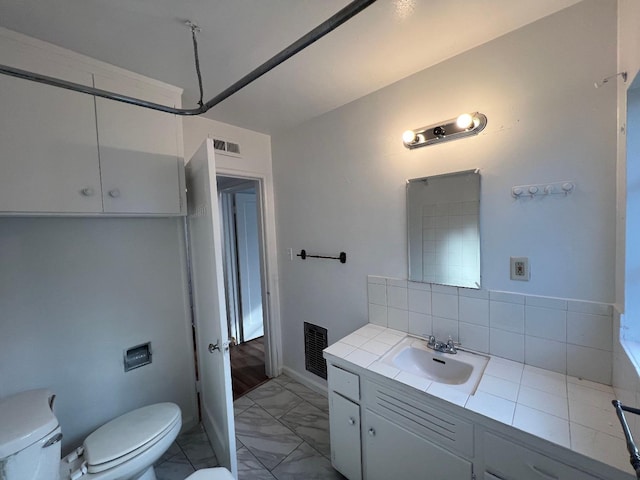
344,431
248,245
393,452
205,245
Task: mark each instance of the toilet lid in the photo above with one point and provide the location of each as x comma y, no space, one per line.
128,433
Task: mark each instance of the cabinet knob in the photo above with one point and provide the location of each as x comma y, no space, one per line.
115,193
352,421
372,432
87,191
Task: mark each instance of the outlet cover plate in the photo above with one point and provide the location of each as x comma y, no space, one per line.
520,269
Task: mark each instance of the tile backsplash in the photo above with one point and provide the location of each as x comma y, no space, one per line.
567,336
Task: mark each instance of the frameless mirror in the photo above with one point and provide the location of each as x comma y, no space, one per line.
443,214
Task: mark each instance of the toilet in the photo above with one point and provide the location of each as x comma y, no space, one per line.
123,449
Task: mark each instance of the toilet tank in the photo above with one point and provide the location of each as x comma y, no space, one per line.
29,437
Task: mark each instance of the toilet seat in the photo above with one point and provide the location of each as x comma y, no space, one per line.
127,436
218,473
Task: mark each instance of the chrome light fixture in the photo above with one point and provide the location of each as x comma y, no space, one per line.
463,126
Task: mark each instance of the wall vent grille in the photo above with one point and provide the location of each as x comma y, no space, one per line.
227,148
315,340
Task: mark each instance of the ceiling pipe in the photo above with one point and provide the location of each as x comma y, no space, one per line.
320,31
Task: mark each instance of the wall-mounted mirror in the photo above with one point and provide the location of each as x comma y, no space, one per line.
443,218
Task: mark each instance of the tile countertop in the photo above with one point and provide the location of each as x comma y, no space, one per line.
569,411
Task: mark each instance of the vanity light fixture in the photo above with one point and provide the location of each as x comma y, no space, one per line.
463,126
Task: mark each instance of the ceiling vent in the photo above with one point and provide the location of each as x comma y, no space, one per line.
226,148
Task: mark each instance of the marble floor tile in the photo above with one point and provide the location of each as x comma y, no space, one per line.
173,450
197,448
274,398
311,424
305,463
282,380
265,437
241,404
250,468
177,467
314,398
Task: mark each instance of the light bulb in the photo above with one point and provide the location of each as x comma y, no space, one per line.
409,136
464,121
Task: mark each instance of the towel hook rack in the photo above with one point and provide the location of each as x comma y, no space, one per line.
304,255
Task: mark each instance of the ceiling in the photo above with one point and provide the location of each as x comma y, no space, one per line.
386,42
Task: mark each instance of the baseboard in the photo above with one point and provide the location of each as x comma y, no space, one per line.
313,385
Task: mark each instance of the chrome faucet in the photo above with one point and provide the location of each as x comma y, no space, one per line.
445,347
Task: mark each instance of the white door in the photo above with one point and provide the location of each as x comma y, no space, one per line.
205,245
249,265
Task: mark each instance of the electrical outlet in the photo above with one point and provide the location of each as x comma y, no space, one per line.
520,269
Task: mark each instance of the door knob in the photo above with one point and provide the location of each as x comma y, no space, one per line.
213,348
115,193
352,421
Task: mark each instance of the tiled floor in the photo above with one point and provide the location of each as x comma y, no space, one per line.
282,432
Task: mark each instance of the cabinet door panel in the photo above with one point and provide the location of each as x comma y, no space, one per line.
49,159
138,153
391,452
344,428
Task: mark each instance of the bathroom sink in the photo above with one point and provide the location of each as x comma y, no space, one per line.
461,371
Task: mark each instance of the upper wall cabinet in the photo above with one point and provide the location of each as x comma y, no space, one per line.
141,171
48,150
63,152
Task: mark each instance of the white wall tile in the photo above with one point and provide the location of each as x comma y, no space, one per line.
420,324
397,282
506,316
475,337
506,297
506,344
378,314
397,297
546,302
589,330
473,293
419,301
377,293
546,323
593,308
445,327
419,286
589,363
547,354
444,289
398,319
376,279
473,310
444,305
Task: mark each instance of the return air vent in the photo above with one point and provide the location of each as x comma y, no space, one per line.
315,340
227,148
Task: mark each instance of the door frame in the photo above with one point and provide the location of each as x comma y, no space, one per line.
268,266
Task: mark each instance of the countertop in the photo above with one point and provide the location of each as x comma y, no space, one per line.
565,410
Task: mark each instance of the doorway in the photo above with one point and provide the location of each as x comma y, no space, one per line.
244,279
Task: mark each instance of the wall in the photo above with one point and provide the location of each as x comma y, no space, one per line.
340,178
74,294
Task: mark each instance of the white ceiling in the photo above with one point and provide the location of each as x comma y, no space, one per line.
386,42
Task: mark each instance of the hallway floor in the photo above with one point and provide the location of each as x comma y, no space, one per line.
282,432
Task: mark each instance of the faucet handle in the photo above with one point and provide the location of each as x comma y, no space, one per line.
431,340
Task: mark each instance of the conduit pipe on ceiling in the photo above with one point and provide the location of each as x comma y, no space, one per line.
320,31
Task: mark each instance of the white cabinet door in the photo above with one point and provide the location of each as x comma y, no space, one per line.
344,431
138,147
391,452
49,156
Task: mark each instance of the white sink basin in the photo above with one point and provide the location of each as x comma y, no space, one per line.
461,371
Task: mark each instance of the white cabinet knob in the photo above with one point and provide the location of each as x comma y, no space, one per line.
115,193
352,421
87,191
372,432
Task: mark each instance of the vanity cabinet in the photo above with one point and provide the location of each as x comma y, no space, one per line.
65,152
395,453
505,459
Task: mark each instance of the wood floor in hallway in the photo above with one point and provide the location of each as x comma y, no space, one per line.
247,366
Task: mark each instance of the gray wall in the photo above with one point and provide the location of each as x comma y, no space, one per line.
340,178
76,292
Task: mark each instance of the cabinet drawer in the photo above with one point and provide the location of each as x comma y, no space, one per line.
345,383
510,461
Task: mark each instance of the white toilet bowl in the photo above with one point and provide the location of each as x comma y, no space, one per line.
218,473
123,449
